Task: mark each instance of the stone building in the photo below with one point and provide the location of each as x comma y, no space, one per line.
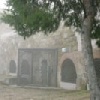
71,72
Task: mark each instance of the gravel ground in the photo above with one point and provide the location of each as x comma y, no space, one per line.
29,93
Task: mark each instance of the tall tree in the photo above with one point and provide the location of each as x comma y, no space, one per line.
87,27
31,16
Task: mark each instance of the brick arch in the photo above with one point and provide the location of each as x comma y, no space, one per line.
77,58
68,72
72,57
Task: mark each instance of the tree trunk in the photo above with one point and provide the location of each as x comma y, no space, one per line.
87,49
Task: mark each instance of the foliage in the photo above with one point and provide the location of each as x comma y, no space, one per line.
96,32
27,18
31,16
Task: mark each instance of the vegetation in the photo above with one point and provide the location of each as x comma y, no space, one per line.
31,16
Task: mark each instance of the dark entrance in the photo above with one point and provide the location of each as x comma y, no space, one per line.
38,66
24,68
12,67
97,68
44,69
68,73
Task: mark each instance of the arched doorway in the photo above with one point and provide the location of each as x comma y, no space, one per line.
25,68
25,73
68,74
12,67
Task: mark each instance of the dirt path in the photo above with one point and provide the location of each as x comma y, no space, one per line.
16,93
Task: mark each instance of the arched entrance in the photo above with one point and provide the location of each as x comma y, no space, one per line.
12,67
25,68
68,74
25,76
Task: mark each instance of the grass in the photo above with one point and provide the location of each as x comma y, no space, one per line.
17,93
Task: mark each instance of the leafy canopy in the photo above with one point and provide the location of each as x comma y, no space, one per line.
31,16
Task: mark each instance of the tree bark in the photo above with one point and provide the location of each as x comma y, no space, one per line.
87,49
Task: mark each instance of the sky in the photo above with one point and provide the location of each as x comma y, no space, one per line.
2,4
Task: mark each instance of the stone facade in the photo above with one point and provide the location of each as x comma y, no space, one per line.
63,38
77,58
10,42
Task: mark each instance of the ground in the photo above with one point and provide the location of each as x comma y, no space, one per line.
29,93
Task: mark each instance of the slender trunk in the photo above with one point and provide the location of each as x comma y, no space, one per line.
88,58
87,49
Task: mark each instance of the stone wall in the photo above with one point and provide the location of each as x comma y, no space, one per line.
77,59
63,38
10,42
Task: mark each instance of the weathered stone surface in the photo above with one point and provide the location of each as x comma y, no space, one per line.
77,58
63,38
12,67
38,67
10,42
